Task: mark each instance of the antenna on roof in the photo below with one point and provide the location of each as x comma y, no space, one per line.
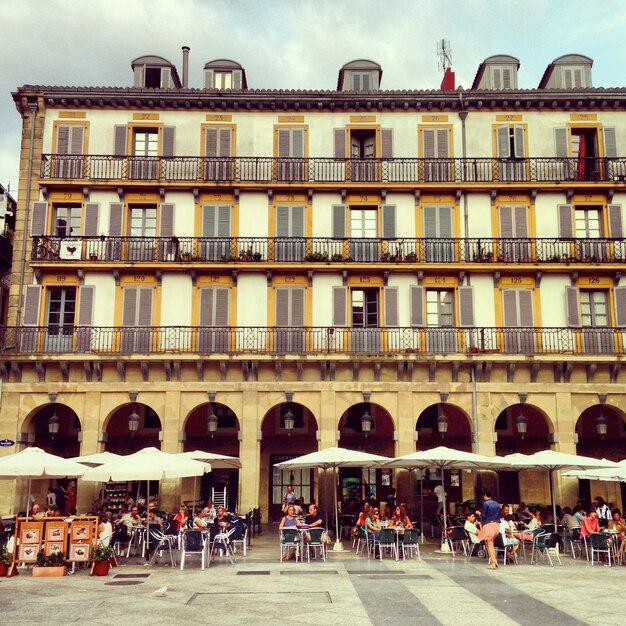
443,52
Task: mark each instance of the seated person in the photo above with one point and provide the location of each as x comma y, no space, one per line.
313,519
181,518
387,514
222,518
154,519
510,542
569,520
364,514
36,512
298,508
400,519
210,511
506,513
200,521
580,512
590,524
616,523
472,527
131,518
288,520
522,513
535,522
372,523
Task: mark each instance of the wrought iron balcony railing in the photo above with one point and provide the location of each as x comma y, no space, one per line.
326,250
266,170
168,340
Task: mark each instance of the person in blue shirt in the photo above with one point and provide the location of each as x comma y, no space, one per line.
490,529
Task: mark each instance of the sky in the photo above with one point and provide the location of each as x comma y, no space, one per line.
294,44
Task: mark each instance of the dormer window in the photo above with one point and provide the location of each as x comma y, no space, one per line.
224,74
572,77
362,81
157,77
503,78
223,80
570,71
154,72
497,73
360,75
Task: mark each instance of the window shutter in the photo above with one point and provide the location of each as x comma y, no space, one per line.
283,142
615,221
340,143
502,140
566,221
443,151
214,306
506,78
92,211
620,306
561,146
120,143
509,308
85,305
356,82
389,221
282,221
77,133
521,222
567,78
205,317
167,220
610,143
571,306
211,142
209,79
391,306
145,306
386,143
297,221
496,78
139,76
209,222
169,135
32,301
282,306
129,306
430,221
506,222
339,221
578,78
223,220
222,296
38,222
297,143
428,139
116,210
417,306
237,82
466,306
340,305
367,82
225,142
166,78
525,307
445,221
518,132
297,307
63,139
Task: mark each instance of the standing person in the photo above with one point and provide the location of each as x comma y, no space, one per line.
59,492
602,508
490,529
51,498
441,495
288,498
70,499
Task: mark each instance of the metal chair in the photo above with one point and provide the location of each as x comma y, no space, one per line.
576,541
363,541
313,541
546,544
289,540
240,536
387,539
601,543
410,543
456,539
161,543
193,542
223,542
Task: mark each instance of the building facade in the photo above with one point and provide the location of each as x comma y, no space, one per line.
264,273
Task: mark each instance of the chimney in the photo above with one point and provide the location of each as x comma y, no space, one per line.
447,83
186,67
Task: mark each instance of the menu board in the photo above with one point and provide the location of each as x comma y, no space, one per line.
55,537
82,534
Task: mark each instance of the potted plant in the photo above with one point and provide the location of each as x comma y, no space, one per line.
5,561
101,558
51,565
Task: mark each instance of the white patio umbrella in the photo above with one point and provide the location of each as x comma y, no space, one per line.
217,461
93,460
332,458
36,463
551,461
447,458
614,474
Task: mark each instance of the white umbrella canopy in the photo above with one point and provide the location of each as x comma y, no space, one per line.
332,458
551,461
93,460
36,463
617,473
217,461
447,458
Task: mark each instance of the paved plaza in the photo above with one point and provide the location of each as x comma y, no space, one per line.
347,589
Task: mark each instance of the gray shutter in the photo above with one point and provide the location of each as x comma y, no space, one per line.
391,306
32,300
297,143
120,143
506,222
340,306
521,222
340,143
428,139
509,308
209,221
561,145
502,141
297,307
139,76
169,137
615,221
386,143
283,143
209,79
282,306
129,306
166,76
367,82
496,78
237,82
389,221
571,306
566,221
166,226
417,306
38,222
610,143
116,212
77,133
225,142
92,211
297,221
211,142
356,82
443,150
620,306
526,317
85,305
466,306
63,139
205,317
506,78
445,221
223,220
282,221
145,306
518,133
430,221
339,221
222,298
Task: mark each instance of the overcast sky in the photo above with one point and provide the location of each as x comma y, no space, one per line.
294,44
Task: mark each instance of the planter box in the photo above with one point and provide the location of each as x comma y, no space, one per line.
48,572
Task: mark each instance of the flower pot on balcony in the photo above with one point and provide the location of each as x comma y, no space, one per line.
49,572
93,257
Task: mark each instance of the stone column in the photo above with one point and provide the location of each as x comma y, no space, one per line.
250,452
170,489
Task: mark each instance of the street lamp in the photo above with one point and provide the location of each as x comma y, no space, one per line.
211,423
522,425
366,422
53,423
133,422
601,425
442,423
289,421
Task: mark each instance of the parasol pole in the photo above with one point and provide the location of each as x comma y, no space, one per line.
193,502
444,544
338,547
325,488
552,496
28,498
421,471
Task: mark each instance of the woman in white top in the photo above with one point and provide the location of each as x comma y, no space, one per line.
105,529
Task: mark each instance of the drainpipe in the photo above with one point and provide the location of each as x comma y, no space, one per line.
463,115
474,408
32,105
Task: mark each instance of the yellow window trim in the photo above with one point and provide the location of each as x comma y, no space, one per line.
304,127
233,137
232,299
292,200
217,198
494,136
420,137
119,296
67,122
133,126
271,303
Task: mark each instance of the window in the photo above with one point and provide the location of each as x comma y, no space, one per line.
588,226
362,81
223,80
213,320
290,334
156,77
438,226
364,234
517,305
145,150
439,318
60,314
66,221
365,334
70,148
291,151
436,152
573,77
594,308
510,145
289,244
503,78
218,151
142,230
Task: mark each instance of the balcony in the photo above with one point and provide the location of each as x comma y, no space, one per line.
214,341
269,170
297,250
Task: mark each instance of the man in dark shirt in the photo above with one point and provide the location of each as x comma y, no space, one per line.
313,519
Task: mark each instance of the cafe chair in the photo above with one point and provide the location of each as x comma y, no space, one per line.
475,549
456,539
120,538
546,545
364,541
601,543
289,540
222,543
192,542
387,539
161,542
576,542
410,543
500,546
240,536
314,543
